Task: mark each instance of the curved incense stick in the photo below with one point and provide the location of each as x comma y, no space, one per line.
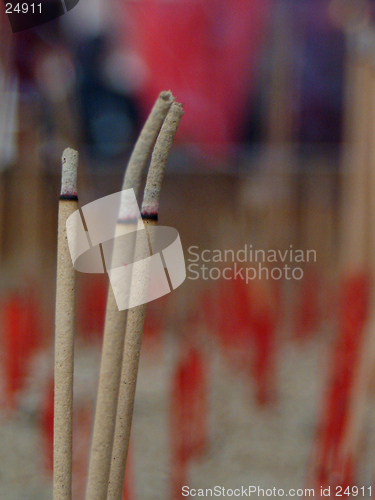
115,321
136,315
64,335
146,141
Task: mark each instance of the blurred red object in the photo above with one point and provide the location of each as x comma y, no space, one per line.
155,324
92,300
188,415
264,314
23,334
328,467
246,318
234,319
206,51
46,424
307,312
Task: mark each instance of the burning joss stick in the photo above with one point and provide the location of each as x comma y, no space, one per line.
64,335
115,321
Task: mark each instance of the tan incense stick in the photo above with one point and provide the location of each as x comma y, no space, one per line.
64,335
115,321
354,217
146,141
136,315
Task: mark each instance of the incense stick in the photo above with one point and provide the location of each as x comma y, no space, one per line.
136,315
64,335
115,321
146,141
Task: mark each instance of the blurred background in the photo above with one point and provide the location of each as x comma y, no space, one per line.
267,381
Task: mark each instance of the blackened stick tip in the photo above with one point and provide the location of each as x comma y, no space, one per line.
167,96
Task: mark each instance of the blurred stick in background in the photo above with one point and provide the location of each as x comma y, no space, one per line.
115,321
64,335
364,371
136,315
8,115
334,459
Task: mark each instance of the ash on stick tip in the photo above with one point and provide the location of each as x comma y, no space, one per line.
167,96
69,173
178,107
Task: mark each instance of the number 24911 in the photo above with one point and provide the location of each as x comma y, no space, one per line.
352,491
23,8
